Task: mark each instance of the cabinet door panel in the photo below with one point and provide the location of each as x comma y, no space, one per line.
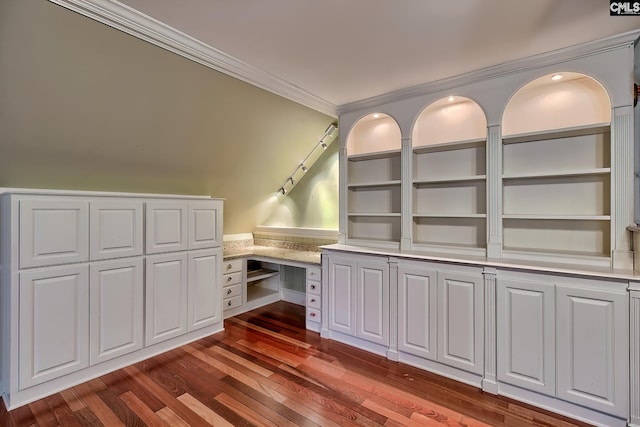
417,312
117,311
166,227
53,232
205,224
53,323
341,285
593,362
166,297
460,321
372,298
526,335
116,229
204,288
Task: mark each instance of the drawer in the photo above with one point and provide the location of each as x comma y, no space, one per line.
232,278
314,273
232,266
313,301
313,287
232,302
232,291
313,315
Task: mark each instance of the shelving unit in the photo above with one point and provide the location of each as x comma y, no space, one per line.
263,283
449,178
557,182
374,186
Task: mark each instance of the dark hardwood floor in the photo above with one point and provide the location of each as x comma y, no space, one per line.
266,369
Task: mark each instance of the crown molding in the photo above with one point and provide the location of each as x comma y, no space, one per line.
126,19
525,64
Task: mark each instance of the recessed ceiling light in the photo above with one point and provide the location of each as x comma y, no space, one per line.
376,115
556,77
451,99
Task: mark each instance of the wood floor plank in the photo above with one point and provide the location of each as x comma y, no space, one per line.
266,369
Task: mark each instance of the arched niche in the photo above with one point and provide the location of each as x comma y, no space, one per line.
374,133
545,104
450,119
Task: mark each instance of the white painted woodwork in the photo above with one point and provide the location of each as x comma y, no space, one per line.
382,129
417,311
489,381
372,301
53,231
116,229
526,335
205,307
634,347
205,224
593,350
166,297
342,295
116,308
166,226
53,323
460,321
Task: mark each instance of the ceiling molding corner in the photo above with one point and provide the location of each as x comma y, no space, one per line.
126,19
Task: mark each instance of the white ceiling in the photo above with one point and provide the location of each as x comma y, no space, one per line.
342,51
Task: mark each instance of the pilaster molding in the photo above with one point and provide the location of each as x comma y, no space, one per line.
407,194
489,382
494,191
634,355
342,192
622,177
392,351
126,19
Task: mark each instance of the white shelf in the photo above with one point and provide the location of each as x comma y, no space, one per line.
373,156
261,274
374,214
448,146
559,173
557,133
375,184
449,215
259,292
557,217
453,179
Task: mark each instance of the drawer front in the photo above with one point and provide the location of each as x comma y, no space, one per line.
232,291
232,302
313,287
313,315
232,279
313,301
314,273
232,266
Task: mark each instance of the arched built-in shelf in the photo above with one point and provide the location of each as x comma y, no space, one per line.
449,177
374,180
557,170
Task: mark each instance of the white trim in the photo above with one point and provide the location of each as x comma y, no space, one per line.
126,19
316,233
81,193
520,65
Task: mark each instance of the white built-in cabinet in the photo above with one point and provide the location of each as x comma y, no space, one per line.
358,299
82,294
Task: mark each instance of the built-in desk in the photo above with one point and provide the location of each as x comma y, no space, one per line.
255,276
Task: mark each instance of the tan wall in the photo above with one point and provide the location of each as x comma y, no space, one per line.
84,106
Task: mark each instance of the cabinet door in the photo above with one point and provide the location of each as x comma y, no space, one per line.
417,311
593,355
53,323
205,224
372,297
342,288
166,226
166,297
460,321
205,300
117,311
53,232
116,229
526,335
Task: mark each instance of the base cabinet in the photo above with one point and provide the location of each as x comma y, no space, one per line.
358,298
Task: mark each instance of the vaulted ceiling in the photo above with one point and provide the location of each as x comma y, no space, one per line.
340,51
